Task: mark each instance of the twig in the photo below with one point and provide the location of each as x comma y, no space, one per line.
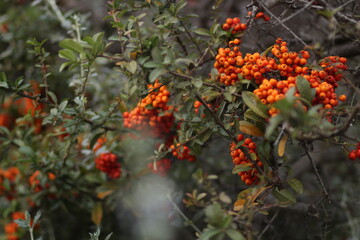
297,12
325,193
279,20
268,224
183,215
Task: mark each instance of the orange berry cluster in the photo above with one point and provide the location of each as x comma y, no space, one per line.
146,115
162,166
34,181
251,176
276,75
227,62
260,15
108,163
234,24
11,229
182,152
7,182
355,153
333,66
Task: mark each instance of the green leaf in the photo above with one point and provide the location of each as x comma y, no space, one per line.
304,88
241,168
197,82
131,66
296,185
152,64
156,54
273,124
234,235
202,32
71,45
22,223
284,196
37,217
251,115
254,103
208,234
157,72
67,54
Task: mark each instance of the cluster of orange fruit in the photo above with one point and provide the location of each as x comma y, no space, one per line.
152,115
7,182
276,75
234,24
35,182
12,109
12,229
162,166
108,163
182,152
250,176
355,153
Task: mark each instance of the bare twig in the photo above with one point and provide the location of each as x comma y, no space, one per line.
269,223
191,223
279,20
321,183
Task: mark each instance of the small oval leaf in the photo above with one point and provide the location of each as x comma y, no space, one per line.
250,129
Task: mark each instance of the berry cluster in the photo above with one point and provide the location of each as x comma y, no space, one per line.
234,24
277,74
11,229
152,115
182,152
108,163
7,182
162,166
35,183
251,176
355,153
260,15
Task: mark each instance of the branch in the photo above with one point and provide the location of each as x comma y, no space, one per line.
279,20
325,193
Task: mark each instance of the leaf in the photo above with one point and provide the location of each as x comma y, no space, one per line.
131,66
22,223
239,204
254,103
249,128
282,146
156,54
208,234
234,235
157,72
284,196
72,45
241,168
296,185
250,114
104,194
152,64
67,54
197,82
202,32
273,124
304,88
36,218
97,213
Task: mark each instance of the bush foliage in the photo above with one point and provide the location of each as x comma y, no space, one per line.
152,122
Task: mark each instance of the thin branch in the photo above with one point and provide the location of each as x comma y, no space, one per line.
268,224
297,12
183,215
325,192
279,20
